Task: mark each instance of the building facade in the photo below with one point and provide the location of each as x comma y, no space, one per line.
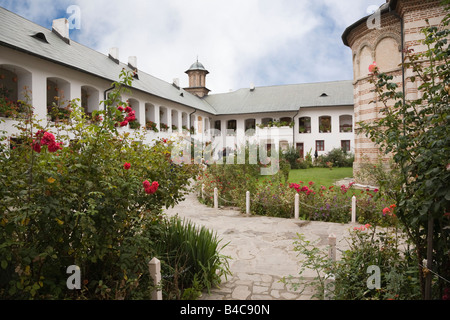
54,70
383,38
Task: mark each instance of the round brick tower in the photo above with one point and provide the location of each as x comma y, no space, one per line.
382,38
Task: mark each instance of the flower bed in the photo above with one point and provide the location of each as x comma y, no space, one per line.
275,197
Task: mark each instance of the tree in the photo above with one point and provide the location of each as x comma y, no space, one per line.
417,135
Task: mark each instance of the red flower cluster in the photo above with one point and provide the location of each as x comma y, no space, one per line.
299,188
127,166
131,115
363,228
344,188
150,188
389,211
44,138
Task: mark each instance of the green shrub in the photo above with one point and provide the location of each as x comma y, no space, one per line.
189,255
80,197
337,158
385,249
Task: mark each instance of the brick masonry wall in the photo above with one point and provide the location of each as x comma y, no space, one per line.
363,41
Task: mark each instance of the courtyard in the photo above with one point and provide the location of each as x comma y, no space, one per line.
260,248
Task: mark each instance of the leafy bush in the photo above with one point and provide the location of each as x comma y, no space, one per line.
384,248
190,255
337,158
273,196
77,193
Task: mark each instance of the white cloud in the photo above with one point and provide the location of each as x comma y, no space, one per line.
262,41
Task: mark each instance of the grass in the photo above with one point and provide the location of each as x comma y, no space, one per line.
320,176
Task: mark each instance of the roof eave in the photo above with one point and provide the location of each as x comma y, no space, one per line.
392,5
13,47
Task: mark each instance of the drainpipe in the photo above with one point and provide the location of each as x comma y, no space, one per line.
190,119
192,138
105,94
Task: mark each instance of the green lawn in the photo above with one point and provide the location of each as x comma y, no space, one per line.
320,176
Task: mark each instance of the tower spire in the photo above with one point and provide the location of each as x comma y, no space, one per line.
197,79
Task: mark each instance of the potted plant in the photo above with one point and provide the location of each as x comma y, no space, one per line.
164,127
134,125
150,125
56,113
7,108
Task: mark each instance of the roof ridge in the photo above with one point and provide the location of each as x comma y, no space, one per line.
283,85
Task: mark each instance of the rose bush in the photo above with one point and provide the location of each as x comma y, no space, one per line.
274,197
72,194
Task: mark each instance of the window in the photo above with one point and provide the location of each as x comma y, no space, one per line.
345,145
304,125
325,124
231,127
266,122
285,122
217,128
89,99
218,125
250,124
346,123
58,94
250,127
320,145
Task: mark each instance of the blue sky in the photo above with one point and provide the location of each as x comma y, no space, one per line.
264,42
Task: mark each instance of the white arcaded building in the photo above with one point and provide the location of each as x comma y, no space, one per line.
313,116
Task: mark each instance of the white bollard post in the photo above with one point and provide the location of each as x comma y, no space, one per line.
329,287
354,209
247,203
332,249
216,198
297,206
329,281
203,191
154,267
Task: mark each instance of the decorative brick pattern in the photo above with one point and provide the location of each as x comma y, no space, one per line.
364,41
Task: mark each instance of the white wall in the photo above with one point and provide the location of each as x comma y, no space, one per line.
34,72
333,139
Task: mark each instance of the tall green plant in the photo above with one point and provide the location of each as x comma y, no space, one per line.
417,134
191,254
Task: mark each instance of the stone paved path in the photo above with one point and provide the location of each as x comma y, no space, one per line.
261,249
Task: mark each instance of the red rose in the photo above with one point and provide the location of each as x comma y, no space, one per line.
55,146
127,166
128,109
130,118
48,139
146,184
37,147
151,189
120,109
124,123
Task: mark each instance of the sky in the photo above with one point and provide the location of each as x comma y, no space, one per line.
240,42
